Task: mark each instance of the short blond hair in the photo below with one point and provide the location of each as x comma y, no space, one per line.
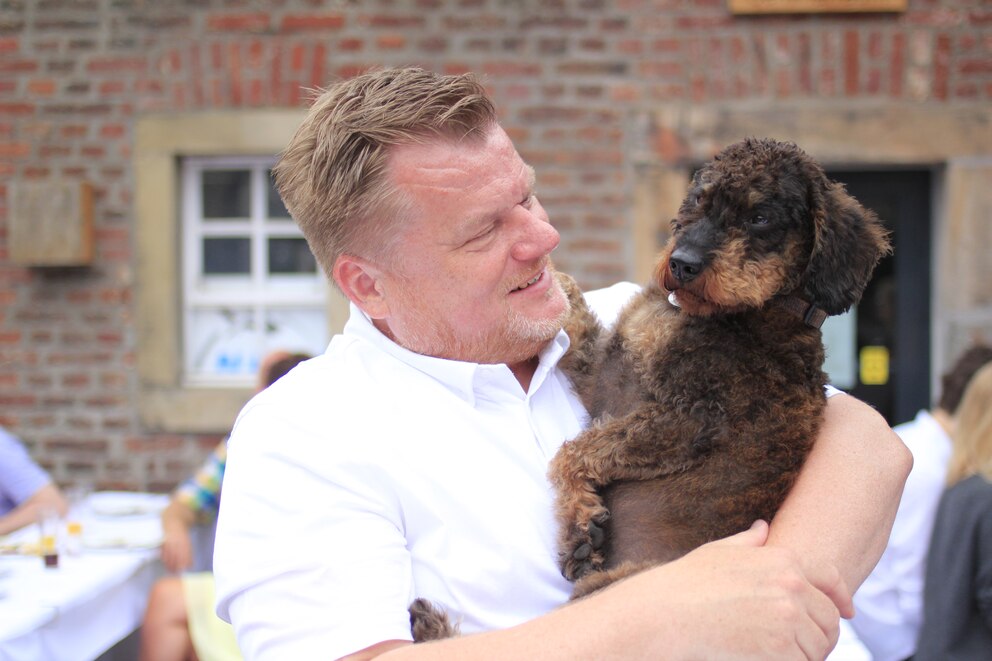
972,447
332,176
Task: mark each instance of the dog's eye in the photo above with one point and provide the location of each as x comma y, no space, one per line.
676,225
759,220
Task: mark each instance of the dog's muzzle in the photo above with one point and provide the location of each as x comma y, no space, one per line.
683,266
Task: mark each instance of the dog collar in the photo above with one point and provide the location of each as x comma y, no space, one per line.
809,313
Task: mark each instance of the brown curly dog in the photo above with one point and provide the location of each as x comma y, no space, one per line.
708,392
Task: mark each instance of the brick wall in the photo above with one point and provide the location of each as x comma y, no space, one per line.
568,76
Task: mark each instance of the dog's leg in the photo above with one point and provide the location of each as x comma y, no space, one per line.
596,581
428,622
634,447
584,330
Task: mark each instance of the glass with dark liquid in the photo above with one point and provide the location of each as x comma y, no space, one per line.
49,522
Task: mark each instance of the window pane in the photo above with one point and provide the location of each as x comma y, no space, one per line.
226,194
290,256
276,208
296,330
223,342
226,256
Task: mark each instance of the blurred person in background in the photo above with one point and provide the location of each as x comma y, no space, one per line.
179,621
26,489
889,604
957,596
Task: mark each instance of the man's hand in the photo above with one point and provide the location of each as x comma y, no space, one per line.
760,602
733,599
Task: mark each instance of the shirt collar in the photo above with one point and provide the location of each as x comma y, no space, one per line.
464,379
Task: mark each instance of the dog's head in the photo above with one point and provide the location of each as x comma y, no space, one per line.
762,220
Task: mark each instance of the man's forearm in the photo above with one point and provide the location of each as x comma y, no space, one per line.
731,598
841,509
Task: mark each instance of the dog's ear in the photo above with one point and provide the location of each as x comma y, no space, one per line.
849,240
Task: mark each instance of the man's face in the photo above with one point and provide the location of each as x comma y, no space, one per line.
471,279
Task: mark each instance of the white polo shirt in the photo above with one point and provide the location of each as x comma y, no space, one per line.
372,475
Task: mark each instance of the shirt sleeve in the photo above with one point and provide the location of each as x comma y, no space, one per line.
310,556
20,477
201,492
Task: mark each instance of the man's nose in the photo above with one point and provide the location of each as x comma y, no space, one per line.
537,237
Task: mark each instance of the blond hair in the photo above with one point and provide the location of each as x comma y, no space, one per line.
332,176
972,448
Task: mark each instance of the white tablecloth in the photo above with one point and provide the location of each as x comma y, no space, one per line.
94,598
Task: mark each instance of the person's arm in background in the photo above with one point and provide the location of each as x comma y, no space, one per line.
193,501
47,497
177,546
841,508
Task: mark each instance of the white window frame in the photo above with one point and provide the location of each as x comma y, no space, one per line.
258,292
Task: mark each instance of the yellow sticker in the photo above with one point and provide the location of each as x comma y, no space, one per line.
874,365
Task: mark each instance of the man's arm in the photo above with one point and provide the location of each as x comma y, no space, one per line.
841,508
47,497
733,598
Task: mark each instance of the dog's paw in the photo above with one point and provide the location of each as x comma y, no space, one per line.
429,622
582,551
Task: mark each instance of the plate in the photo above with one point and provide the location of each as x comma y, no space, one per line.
124,503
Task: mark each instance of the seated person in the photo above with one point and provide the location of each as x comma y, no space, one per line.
180,622
25,488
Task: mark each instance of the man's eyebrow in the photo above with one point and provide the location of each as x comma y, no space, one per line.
531,178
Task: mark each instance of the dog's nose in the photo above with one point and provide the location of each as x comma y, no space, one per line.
685,264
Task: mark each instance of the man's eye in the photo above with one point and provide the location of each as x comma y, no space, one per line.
528,201
481,235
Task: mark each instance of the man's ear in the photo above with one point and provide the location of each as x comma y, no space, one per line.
361,282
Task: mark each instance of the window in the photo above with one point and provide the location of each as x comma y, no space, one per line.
168,400
250,282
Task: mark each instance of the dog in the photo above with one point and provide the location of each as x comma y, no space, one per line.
708,392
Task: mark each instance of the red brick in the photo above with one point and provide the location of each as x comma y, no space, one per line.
302,22
975,67
350,45
250,22
112,130
317,69
941,66
390,42
17,108
851,63
14,149
18,66
110,87
897,65
117,64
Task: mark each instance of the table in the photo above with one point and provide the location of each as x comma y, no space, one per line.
95,598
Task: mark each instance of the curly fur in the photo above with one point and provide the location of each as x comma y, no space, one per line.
706,411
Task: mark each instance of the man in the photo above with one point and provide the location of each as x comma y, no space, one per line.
412,455
26,490
890,601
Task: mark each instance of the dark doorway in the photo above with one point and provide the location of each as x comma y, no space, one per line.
893,318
